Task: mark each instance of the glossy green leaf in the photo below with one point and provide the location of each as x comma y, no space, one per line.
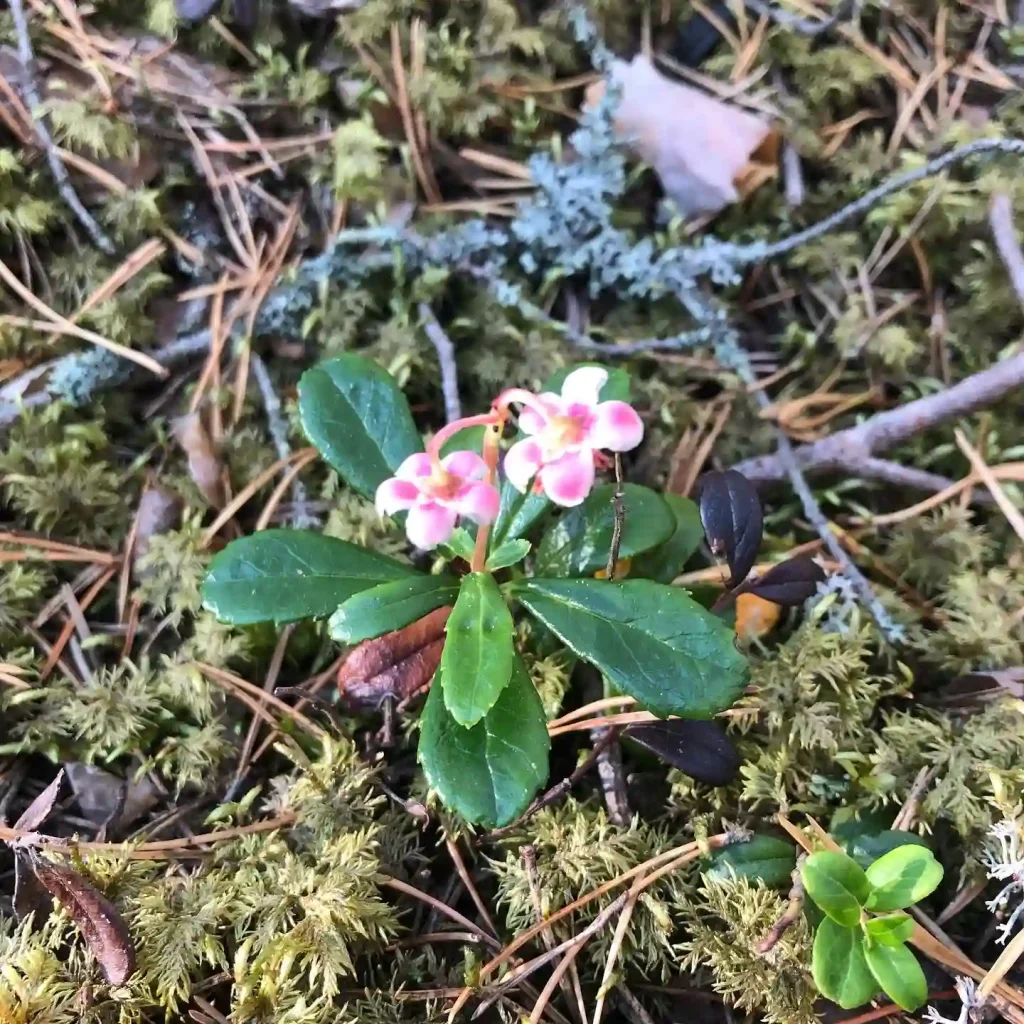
286,575
479,650
469,439
651,641
579,542
488,773
356,415
838,885
760,859
460,544
866,849
898,974
903,877
840,967
507,554
391,606
667,561
890,930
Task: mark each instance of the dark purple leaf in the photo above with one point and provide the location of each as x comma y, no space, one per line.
39,810
788,583
699,749
194,10
29,895
247,13
730,512
103,928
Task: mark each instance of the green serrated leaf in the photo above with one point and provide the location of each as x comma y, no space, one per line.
356,415
488,773
890,930
286,575
479,650
903,877
760,859
651,641
898,974
578,544
507,554
460,544
390,606
840,967
667,561
837,884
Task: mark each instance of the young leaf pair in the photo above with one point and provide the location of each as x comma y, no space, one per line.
856,953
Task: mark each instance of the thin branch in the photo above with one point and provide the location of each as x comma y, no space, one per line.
1000,219
446,357
301,516
792,913
57,168
804,26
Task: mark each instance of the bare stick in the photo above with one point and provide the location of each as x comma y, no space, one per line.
849,449
57,168
301,517
794,908
803,26
446,357
1000,219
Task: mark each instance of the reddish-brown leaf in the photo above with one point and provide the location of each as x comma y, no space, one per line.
395,665
204,464
97,918
39,810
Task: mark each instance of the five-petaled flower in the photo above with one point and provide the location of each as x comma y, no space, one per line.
436,493
565,434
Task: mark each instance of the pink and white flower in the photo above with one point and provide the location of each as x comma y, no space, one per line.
565,434
435,494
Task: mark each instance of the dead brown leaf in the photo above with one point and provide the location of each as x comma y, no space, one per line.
706,153
204,465
97,918
159,509
39,810
396,665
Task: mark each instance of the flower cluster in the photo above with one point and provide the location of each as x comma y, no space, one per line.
565,437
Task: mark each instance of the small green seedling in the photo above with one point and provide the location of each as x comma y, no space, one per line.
860,946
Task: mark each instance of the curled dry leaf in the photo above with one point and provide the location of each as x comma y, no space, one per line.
97,918
29,895
159,509
204,465
396,665
105,799
707,154
789,583
699,749
39,810
730,512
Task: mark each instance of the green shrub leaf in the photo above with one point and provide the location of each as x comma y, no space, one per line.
898,974
890,930
356,415
667,561
509,553
479,650
651,641
840,967
837,884
902,877
286,575
760,859
488,773
579,542
391,606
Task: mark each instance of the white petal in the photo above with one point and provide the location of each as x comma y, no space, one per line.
584,385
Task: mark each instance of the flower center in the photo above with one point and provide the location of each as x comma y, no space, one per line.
441,484
565,430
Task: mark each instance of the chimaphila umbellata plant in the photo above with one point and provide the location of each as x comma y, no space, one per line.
483,738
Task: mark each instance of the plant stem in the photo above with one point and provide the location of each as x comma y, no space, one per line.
491,436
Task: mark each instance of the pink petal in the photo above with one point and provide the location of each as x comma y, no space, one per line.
415,466
615,426
478,501
430,524
467,465
395,495
584,385
568,480
531,421
522,461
